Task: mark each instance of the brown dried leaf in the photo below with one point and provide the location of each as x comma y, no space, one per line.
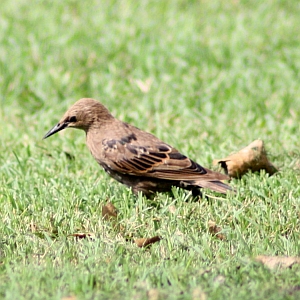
215,230
144,242
273,262
251,158
83,235
109,211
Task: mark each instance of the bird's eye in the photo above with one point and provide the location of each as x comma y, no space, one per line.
73,119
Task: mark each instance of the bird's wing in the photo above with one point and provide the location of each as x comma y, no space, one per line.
157,160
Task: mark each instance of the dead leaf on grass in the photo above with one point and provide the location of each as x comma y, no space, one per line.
273,262
109,211
215,230
83,235
144,242
251,158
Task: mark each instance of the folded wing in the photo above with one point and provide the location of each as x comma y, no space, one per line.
158,160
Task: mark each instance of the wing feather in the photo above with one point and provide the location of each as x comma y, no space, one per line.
158,160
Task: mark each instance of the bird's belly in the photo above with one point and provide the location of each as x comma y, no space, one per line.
113,174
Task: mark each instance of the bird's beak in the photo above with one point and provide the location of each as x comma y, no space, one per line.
58,127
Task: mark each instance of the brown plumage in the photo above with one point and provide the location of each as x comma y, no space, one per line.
134,157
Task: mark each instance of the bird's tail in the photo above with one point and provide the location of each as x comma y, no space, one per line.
215,185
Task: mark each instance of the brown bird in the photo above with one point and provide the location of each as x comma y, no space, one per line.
134,157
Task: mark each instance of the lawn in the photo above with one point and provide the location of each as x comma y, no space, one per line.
207,77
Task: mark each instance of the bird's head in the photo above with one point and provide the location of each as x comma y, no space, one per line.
84,114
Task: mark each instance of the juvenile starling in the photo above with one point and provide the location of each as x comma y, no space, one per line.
134,157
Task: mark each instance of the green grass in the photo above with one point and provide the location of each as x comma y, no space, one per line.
223,73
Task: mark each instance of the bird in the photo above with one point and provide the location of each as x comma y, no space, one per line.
135,157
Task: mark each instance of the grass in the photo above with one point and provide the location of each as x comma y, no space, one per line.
218,75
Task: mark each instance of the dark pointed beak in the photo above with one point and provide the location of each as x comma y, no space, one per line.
58,127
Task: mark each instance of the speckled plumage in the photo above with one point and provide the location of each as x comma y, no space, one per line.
134,157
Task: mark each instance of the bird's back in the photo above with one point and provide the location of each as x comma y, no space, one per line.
132,155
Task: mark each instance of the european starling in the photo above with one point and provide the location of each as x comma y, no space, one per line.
134,157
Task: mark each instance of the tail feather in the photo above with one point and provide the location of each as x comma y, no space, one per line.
215,185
